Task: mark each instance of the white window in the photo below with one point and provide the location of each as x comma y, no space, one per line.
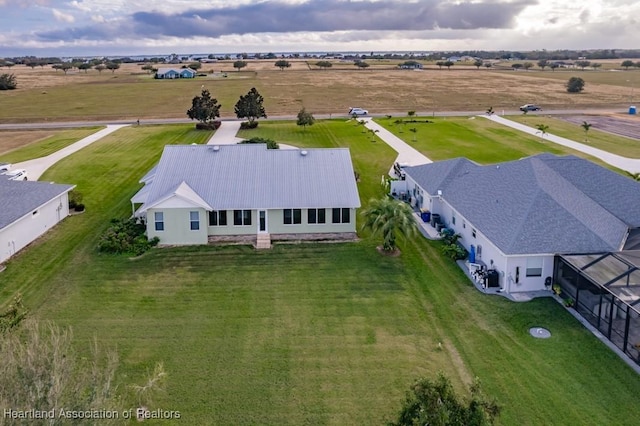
194,220
159,220
534,266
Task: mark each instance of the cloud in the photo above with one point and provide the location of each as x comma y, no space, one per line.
62,17
312,15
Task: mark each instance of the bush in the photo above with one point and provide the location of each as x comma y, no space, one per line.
271,144
75,198
79,207
213,125
248,125
126,236
8,82
575,85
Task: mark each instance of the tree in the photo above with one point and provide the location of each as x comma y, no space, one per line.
239,64
250,106
586,126
553,66
113,66
84,66
204,108
542,129
305,119
389,217
449,64
575,85
490,111
542,63
100,68
488,65
596,65
626,64
66,66
440,64
324,64
583,64
436,403
282,64
478,63
527,65
148,68
516,67
361,64
195,66
8,82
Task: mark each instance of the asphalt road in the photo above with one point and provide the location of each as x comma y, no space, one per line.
74,124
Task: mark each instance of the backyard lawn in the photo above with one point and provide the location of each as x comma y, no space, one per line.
302,334
22,145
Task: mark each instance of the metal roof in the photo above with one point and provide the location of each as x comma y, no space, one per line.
538,204
250,176
19,198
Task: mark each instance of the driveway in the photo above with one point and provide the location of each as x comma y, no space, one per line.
406,153
631,165
226,134
36,167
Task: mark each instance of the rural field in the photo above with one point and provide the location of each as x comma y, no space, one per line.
130,93
313,333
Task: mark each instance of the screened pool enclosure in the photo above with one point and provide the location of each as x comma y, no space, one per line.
605,289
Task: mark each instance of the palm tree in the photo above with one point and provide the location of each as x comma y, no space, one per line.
389,217
490,111
586,126
542,129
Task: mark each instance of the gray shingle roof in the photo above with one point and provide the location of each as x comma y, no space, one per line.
539,204
18,198
251,176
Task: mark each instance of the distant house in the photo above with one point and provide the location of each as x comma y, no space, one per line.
410,65
517,216
29,209
172,73
199,194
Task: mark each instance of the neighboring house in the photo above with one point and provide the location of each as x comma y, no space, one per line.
173,73
518,215
410,65
199,194
28,210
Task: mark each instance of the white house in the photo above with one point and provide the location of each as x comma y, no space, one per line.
29,209
199,194
518,215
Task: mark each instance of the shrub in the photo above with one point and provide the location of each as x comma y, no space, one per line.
79,207
126,236
575,85
75,198
271,144
8,82
247,125
213,125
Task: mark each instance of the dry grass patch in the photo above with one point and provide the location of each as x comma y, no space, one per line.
13,139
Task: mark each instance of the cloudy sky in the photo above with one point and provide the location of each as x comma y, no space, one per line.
137,27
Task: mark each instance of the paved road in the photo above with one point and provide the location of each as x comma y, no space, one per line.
629,164
36,167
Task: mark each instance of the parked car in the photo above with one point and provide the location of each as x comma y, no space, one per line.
358,111
4,167
530,107
17,174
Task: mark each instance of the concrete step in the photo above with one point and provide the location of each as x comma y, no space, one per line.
263,241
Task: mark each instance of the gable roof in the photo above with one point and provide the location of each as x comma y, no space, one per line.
249,176
539,204
20,198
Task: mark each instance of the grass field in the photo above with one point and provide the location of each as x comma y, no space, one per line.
129,94
16,146
620,145
302,334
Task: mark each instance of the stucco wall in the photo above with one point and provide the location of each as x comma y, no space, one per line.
177,226
527,283
16,236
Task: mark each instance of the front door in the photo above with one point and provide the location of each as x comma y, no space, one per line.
262,221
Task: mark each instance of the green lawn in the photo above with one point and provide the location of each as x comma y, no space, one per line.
302,334
475,138
620,145
49,145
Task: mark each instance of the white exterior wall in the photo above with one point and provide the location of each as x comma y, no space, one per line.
19,234
527,283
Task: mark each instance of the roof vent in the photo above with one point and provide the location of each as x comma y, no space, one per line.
216,148
304,152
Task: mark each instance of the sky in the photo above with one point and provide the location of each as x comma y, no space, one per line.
142,27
